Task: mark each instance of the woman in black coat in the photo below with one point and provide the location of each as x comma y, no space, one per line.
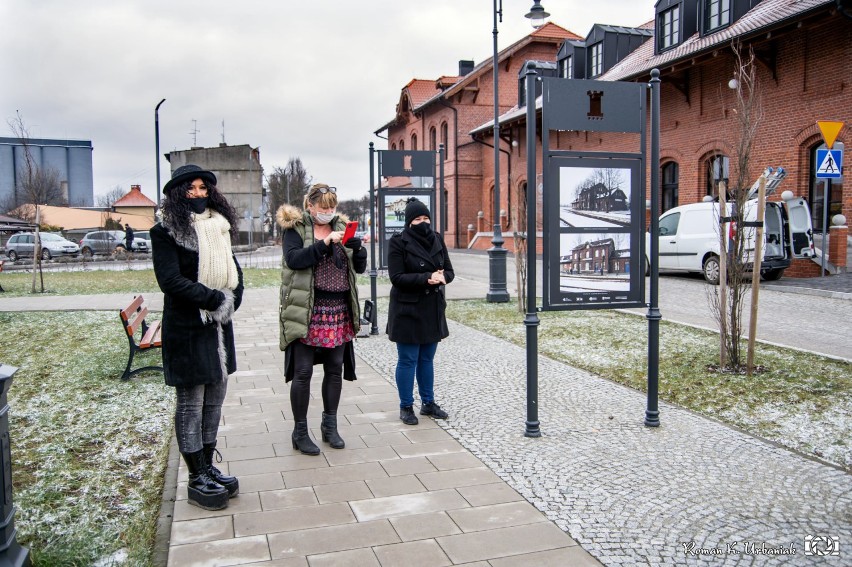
202,285
419,267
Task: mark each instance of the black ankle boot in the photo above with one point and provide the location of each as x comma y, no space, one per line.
302,439
203,491
231,484
329,431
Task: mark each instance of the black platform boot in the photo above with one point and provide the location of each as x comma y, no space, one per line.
231,484
302,439
203,491
329,431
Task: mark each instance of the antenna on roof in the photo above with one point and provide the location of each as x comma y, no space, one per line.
194,132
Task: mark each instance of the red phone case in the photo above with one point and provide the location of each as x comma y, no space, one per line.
350,231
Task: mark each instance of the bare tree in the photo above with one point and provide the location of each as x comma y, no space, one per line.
108,199
355,209
36,185
519,212
287,186
728,299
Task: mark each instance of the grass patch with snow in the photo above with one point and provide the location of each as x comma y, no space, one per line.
18,284
801,400
88,450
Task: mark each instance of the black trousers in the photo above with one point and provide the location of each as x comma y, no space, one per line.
303,369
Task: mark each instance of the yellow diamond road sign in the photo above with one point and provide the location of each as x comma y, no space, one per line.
830,130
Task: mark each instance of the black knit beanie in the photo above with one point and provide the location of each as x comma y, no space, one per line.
415,209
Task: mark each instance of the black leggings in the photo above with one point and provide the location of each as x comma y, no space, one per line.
303,369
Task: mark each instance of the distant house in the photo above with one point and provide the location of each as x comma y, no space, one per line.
136,209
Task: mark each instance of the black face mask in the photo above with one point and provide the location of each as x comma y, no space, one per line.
422,229
198,205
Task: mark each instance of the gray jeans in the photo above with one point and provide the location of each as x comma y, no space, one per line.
197,415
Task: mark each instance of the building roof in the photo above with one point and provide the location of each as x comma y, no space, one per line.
135,198
13,224
549,32
442,87
70,218
764,17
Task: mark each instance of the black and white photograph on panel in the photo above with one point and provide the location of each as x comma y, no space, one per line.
594,218
595,263
594,197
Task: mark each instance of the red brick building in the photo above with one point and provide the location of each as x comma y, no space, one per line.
444,111
803,51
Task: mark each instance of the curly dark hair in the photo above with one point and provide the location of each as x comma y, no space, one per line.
176,209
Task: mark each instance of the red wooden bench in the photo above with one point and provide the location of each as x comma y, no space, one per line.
132,318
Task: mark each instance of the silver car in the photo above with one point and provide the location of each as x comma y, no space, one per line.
52,245
142,235
108,242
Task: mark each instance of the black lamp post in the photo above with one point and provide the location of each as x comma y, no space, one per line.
157,145
11,553
497,292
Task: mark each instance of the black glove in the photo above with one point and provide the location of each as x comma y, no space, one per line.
353,243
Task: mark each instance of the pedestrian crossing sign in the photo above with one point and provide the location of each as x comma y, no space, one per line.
829,163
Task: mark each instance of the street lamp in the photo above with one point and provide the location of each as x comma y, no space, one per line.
497,292
157,145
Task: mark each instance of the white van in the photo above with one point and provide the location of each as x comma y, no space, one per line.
689,237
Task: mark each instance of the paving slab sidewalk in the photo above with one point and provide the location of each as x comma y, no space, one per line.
396,495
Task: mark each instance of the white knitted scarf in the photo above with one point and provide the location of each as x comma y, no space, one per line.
216,268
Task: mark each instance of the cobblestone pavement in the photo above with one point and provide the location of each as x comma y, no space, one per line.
629,494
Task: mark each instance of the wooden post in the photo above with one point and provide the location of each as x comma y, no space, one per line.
36,251
755,274
723,275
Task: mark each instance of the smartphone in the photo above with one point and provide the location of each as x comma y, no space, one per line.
351,227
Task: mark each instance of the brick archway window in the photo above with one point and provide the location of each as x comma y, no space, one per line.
414,142
433,139
669,187
716,168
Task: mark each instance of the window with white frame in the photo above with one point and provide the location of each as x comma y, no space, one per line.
597,59
568,67
669,27
718,13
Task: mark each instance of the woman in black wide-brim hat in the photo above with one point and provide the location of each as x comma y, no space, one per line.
202,285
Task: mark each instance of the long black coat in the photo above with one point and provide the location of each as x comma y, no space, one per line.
417,309
190,346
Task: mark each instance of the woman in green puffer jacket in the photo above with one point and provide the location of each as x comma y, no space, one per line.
319,312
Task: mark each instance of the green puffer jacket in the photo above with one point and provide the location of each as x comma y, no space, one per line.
297,286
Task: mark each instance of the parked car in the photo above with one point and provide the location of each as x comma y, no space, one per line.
108,242
52,245
143,235
689,237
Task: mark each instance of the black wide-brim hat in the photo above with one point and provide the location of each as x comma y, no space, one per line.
188,172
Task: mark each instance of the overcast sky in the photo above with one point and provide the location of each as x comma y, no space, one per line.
299,78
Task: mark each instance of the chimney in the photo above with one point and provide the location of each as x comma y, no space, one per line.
136,188
465,67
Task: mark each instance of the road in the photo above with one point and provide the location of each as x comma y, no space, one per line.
802,321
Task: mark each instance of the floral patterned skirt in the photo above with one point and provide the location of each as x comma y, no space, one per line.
330,324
